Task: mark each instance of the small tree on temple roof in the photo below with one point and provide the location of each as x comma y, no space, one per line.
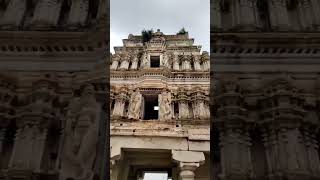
146,35
182,31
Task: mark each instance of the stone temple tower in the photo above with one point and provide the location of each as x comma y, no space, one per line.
266,89
159,108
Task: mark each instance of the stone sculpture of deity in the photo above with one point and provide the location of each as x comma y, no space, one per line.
165,105
135,105
144,60
80,137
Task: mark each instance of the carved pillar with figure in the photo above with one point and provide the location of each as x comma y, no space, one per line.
165,109
279,18
176,62
183,105
115,61
33,122
81,136
135,105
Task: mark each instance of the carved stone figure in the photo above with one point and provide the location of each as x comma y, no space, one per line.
196,63
165,105
33,121
176,63
183,105
186,62
14,13
145,61
46,13
81,137
135,105
165,60
115,61
120,101
134,60
78,13
124,61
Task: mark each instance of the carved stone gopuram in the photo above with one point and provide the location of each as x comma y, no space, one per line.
160,108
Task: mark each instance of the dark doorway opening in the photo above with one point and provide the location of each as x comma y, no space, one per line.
154,61
151,107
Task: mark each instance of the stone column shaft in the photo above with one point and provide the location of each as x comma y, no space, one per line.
279,18
186,65
196,64
315,5
124,65
235,154
206,65
216,21
115,64
188,161
134,65
305,14
118,107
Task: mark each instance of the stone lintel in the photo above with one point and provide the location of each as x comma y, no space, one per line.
203,146
188,157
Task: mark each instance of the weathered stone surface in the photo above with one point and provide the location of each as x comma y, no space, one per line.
188,156
180,84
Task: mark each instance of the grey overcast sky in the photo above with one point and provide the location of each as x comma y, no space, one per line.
132,16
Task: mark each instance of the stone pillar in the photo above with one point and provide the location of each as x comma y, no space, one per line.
120,100
186,65
124,64
305,14
286,141
196,63
134,64
20,150
216,15
118,107
286,154
279,18
243,14
28,148
232,122
114,170
38,153
183,106
188,161
205,61
206,65
79,12
311,145
235,153
187,170
176,63
115,64
315,5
